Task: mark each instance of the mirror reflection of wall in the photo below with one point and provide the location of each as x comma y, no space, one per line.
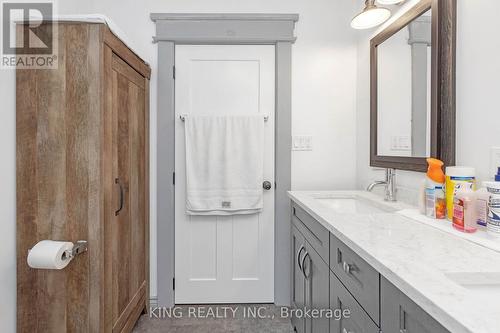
404,91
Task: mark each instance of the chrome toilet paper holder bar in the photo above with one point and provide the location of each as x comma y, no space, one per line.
78,248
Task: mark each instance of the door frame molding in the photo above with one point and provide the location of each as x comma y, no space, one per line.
226,29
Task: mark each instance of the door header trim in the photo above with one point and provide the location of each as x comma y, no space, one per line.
224,16
224,28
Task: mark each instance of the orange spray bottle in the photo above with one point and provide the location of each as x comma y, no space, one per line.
435,197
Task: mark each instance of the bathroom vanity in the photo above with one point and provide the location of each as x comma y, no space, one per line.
352,250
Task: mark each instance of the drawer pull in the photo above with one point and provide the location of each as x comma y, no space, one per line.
302,248
348,268
402,331
303,267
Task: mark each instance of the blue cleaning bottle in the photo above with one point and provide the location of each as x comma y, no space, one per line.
493,226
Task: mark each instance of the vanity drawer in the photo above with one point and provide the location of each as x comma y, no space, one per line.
361,279
358,321
316,235
400,314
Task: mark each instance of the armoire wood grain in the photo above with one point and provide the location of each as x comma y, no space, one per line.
79,127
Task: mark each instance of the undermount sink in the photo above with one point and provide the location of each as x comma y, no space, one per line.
482,284
353,205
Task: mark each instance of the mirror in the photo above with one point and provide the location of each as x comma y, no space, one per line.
404,91
413,111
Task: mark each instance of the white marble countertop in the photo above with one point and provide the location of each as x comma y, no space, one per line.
419,260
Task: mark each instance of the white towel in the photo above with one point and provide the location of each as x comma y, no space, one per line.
224,164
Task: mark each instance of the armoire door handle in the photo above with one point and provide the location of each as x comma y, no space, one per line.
117,181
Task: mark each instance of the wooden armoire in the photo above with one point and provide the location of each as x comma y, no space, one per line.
83,174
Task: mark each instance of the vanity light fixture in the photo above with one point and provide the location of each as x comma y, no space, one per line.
371,16
390,2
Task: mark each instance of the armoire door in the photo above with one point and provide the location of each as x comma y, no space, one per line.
127,232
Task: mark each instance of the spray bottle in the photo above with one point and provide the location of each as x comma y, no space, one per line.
435,198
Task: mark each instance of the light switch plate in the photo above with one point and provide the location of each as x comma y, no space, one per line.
494,160
302,143
400,143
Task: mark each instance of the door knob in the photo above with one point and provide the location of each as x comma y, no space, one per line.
267,185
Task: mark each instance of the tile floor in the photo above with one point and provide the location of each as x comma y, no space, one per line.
242,318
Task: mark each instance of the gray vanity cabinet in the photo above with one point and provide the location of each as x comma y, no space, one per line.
298,280
357,320
399,314
361,279
316,275
328,274
316,235
310,275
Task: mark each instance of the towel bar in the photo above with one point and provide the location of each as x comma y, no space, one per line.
183,117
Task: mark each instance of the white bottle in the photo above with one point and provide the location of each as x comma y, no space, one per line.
494,208
482,202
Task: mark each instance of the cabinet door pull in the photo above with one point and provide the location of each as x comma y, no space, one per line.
303,267
302,248
402,321
348,268
117,181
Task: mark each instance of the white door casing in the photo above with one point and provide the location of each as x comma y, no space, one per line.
224,259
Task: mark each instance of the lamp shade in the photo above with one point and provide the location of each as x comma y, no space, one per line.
390,2
371,16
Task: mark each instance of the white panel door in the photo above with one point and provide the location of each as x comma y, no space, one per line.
224,259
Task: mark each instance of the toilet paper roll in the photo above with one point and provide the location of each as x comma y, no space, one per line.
48,254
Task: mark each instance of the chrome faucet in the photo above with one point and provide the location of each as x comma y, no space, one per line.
389,183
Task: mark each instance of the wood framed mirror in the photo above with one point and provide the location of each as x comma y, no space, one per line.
412,93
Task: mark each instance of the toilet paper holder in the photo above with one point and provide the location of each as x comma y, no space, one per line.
54,254
78,248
